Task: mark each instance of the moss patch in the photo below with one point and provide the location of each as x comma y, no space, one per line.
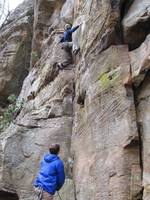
107,79
104,80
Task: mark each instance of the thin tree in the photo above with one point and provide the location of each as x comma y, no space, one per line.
4,12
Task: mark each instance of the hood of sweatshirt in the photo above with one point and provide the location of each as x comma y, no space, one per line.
50,158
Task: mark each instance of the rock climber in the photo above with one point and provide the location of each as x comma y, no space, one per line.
51,176
67,42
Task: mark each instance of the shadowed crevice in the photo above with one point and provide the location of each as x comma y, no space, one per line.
8,196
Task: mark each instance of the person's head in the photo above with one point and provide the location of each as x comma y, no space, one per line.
67,27
54,149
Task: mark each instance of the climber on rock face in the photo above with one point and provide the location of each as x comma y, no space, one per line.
51,175
67,37
67,43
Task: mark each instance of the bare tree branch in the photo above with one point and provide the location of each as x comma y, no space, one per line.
5,20
4,11
2,8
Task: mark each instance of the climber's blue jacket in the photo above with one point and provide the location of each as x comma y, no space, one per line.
51,176
67,37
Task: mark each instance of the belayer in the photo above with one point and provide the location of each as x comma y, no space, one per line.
51,176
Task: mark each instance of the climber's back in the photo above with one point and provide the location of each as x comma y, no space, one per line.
67,36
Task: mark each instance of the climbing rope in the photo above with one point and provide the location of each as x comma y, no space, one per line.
59,195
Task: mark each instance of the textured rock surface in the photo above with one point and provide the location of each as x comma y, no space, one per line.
143,98
105,139
15,48
140,61
46,117
136,23
91,107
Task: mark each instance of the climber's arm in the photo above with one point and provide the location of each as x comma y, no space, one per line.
74,29
61,40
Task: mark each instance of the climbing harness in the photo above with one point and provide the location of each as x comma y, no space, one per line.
59,195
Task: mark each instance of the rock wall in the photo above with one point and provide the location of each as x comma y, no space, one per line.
97,107
15,48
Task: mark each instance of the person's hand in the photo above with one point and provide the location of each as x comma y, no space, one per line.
80,24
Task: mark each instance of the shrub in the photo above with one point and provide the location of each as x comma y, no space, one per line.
10,112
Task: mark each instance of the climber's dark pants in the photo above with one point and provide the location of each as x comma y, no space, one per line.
67,46
70,46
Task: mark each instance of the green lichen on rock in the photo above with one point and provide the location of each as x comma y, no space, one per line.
107,79
104,80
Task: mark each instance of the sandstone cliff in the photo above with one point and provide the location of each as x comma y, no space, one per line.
97,108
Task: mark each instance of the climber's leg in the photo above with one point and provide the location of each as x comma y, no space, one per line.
67,46
65,63
75,48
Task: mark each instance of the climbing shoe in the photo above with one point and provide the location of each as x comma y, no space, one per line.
60,65
76,51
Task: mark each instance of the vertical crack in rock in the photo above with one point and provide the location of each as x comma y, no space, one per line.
124,6
140,77
140,133
142,98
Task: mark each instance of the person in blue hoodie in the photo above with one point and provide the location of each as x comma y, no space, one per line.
67,36
51,176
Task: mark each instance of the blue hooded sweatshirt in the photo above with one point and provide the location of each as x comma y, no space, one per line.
67,37
51,176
